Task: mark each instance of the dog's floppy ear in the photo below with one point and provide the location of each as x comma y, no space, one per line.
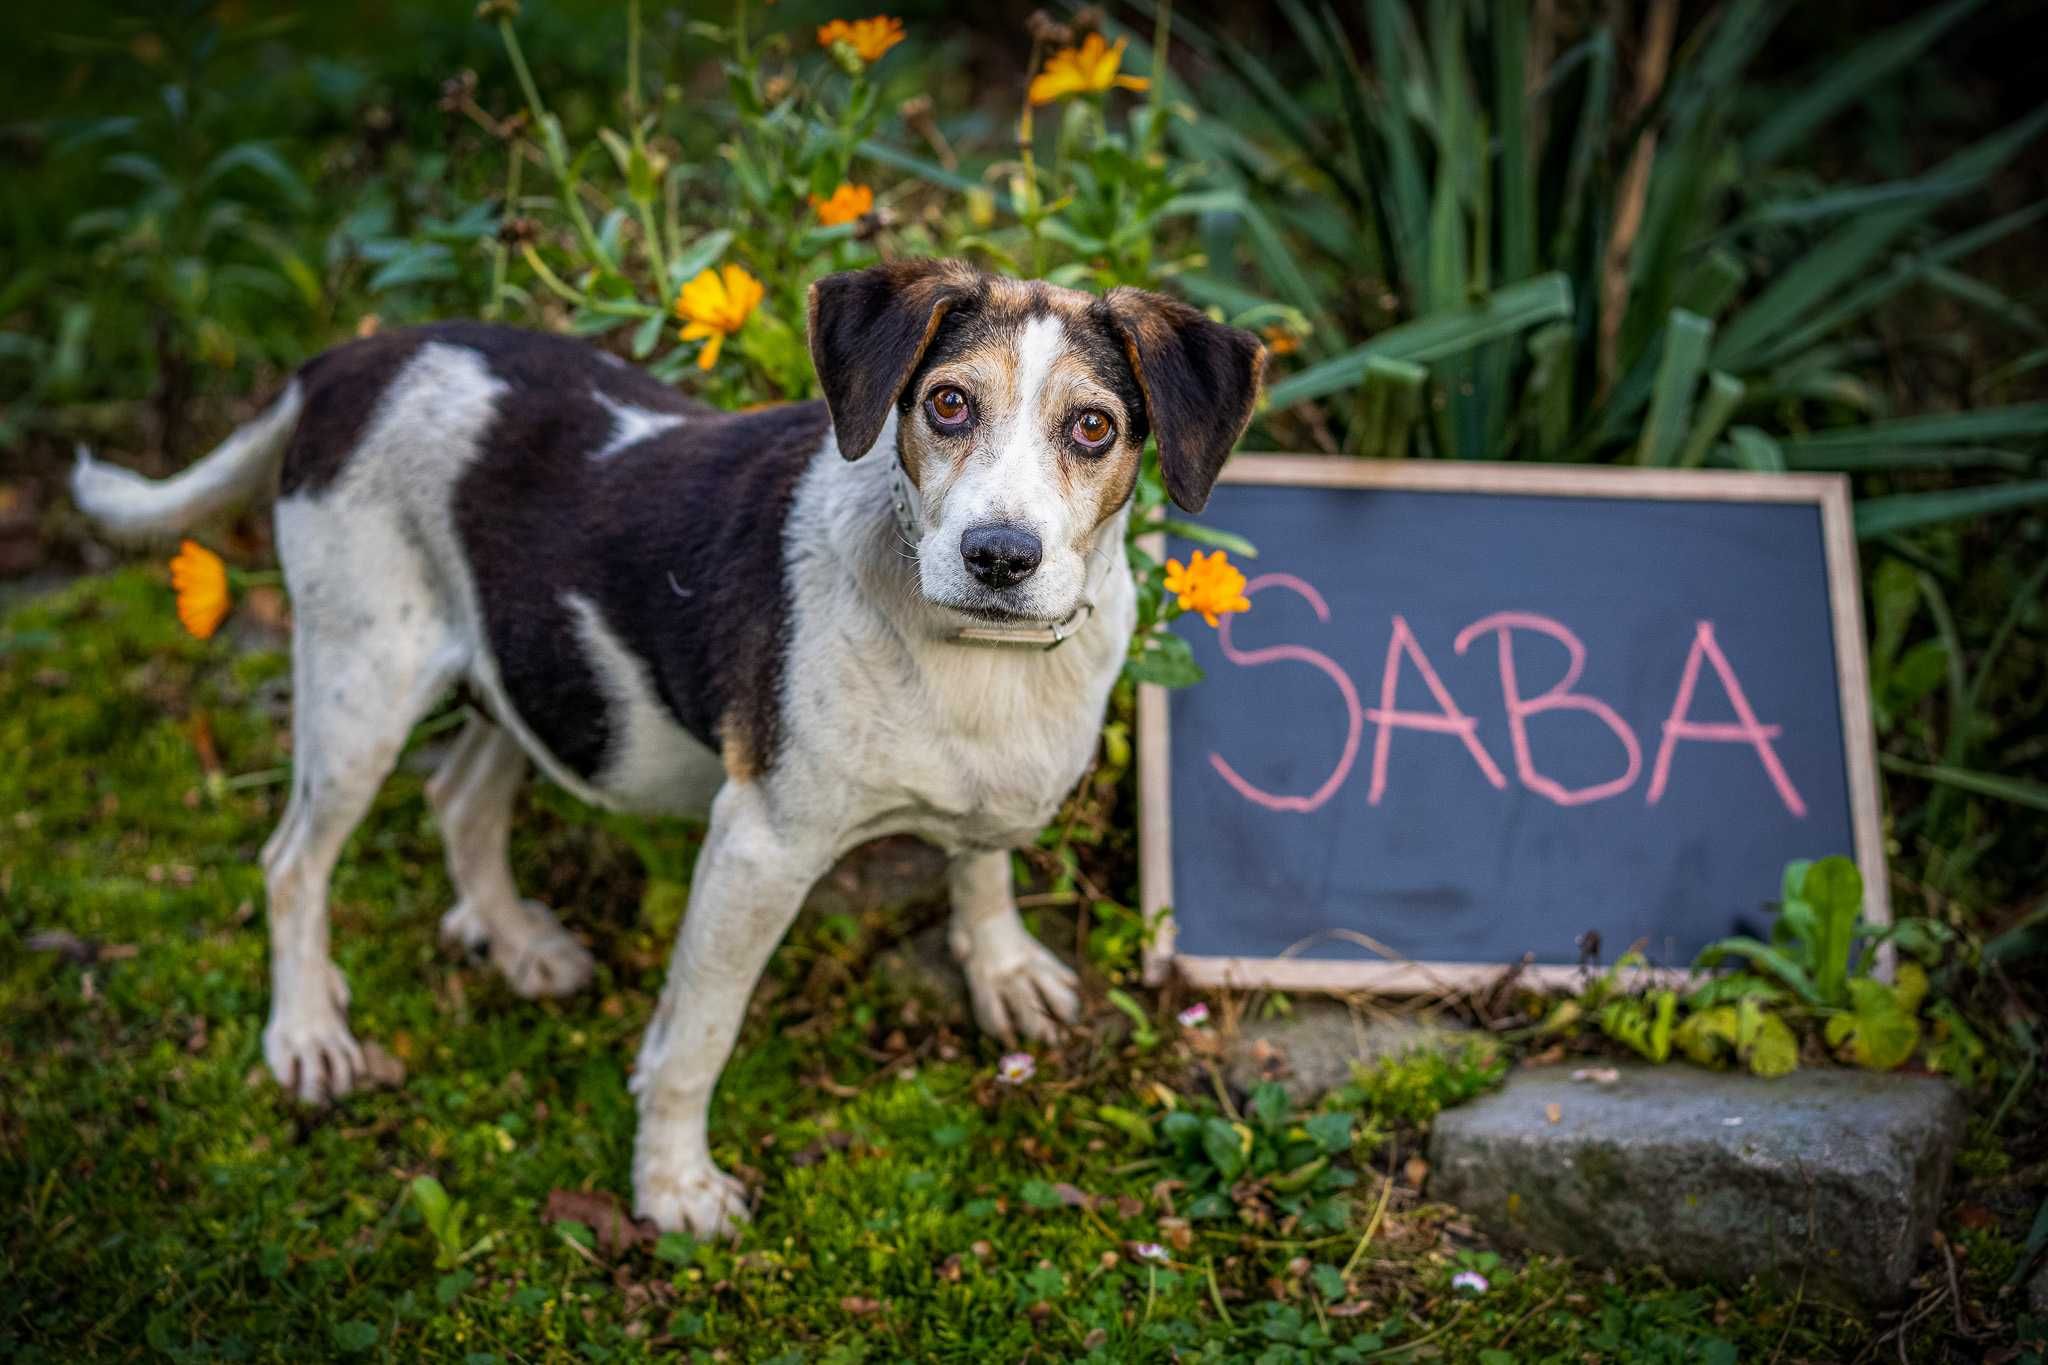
869,328
1200,380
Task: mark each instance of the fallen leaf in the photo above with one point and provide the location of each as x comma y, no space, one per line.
1073,1196
1975,1216
859,1306
1598,1075
1350,1310
1553,1111
1549,1056
1417,1171
602,1212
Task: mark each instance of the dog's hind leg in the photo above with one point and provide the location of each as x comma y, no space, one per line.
472,794
1018,986
370,654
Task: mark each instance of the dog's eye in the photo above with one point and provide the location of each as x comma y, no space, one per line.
949,408
1092,430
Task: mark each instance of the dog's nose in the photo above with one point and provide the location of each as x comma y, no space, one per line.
1000,555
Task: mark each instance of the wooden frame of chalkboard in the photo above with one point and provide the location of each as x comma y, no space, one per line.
1829,492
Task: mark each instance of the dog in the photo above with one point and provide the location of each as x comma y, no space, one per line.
900,609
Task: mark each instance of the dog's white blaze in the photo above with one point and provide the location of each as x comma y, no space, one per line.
630,424
650,762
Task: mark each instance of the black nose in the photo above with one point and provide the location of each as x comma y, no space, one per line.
1000,555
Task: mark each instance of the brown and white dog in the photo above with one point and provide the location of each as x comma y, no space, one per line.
676,609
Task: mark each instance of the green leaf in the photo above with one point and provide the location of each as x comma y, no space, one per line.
1906,511
1390,403
264,162
1505,313
1686,337
646,335
1834,888
1225,1148
1765,956
1166,661
1132,1125
2017,790
1756,449
355,1336
1330,1132
697,257
1846,78
1724,395
1772,1050
1269,1105
1039,1194
1877,1032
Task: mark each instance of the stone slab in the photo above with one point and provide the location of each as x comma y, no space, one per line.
1830,1180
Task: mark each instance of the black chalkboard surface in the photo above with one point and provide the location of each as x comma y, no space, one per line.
1477,711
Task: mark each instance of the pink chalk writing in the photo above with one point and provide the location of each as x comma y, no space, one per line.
1248,658
1743,730
1560,697
1450,719
1447,719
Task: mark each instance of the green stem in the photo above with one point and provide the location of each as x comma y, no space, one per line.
1162,30
549,278
500,253
551,146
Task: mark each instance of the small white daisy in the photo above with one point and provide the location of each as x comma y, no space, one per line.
1016,1068
1470,1279
1148,1251
1194,1016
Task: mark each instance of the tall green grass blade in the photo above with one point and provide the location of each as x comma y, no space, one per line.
1389,403
1847,79
1754,449
1906,511
1903,272
1548,393
1589,142
2016,422
2019,791
1879,458
1406,196
1686,338
1506,313
1996,302
1711,284
1724,395
1849,252
1517,211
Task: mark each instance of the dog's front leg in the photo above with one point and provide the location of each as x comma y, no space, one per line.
1018,986
749,884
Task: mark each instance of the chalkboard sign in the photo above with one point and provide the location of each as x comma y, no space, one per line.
1477,712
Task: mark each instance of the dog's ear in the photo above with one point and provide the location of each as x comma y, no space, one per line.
1200,380
869,328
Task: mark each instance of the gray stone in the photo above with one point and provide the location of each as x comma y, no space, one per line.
1828,1181
1312,1050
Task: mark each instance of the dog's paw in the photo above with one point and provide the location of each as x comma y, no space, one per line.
526,943
312,1053
1020,988
706,1203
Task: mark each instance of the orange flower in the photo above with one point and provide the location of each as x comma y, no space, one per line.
201,582
1280,340
1088,69
869,38
846,203
715,305
1208,584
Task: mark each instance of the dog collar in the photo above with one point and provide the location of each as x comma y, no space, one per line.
903,496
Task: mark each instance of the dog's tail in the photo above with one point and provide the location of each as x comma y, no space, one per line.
130,507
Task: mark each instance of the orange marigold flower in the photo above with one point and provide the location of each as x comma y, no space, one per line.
715,305
869,38
1088,69
845,204
1209,584
1280,340
201,582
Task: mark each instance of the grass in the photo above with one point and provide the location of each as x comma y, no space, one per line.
163,1200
